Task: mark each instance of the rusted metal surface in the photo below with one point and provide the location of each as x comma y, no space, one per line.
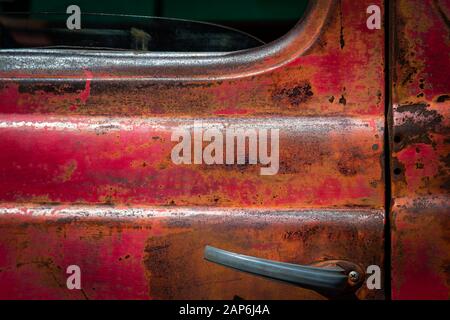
87,160
94,129
420,139
158,253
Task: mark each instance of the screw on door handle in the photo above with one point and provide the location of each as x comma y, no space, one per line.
335,277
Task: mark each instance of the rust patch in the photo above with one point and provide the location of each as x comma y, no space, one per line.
54,88
295,95
67,171
443,98
408,65
349,163
416,122
398,170
341,34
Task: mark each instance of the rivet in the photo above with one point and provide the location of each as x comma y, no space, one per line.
353,276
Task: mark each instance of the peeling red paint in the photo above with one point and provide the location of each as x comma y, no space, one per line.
420,213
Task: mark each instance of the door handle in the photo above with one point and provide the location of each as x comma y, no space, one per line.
334,277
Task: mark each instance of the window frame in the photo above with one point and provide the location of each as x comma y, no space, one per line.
54,64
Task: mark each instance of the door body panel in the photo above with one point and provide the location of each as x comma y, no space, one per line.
87,176
158,253
420,165
128,161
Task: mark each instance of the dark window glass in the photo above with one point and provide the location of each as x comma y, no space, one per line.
150,25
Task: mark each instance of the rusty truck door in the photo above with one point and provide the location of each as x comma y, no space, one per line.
88,178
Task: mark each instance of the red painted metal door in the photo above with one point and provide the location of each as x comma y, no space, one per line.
420,143
87,177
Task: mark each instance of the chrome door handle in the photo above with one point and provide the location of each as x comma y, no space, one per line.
336,277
